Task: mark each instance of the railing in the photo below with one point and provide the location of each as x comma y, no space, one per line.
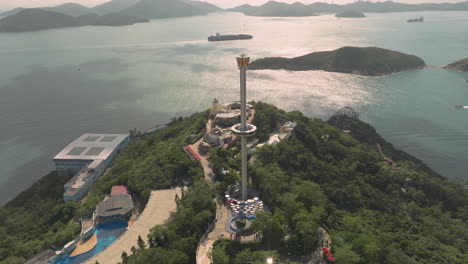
205,235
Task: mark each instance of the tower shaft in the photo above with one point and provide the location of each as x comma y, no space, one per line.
243,96
243,129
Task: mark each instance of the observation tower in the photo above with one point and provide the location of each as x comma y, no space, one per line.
243,129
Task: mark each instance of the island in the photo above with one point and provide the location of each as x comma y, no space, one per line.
156,9
371,61
279,9
351,14
461,65
33,19
276,9
112,13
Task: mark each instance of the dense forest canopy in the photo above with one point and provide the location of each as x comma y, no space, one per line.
375,211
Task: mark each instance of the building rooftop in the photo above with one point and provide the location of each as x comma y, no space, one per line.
82,177
115,205
91,147
119,189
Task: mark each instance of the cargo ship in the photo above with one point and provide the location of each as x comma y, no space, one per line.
421,19
219,37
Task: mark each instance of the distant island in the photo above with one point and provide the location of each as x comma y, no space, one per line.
156,9
34,19
351,14
371,61
273,8
461,65
113,13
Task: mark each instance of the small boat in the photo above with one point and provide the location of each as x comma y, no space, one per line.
466,80
460,106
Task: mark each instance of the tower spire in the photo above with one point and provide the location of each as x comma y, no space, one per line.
243,129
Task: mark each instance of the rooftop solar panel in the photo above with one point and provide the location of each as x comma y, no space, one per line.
108,139
94,151
91,138
76,151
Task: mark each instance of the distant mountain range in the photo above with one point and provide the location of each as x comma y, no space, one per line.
126,12
154,9
33,19
274,8
142,8
113,13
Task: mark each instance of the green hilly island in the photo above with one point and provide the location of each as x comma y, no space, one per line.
370,61
33,19
461,65
378,206
350,14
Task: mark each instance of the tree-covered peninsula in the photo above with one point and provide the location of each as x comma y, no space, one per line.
461,65
34,19
379,204
370,61
350,14
377,207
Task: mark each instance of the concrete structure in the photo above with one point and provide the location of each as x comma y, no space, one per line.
87,157
77,187
89,147
282,134
44,257
158,209
115,207
119,189
243,129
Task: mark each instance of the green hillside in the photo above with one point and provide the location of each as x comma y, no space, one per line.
461,65
375,212
154,9
38,219
371,61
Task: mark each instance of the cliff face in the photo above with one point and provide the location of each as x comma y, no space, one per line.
461,65
370,61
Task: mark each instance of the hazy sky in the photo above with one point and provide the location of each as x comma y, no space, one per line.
8,4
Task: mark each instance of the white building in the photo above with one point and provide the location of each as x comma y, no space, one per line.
87,157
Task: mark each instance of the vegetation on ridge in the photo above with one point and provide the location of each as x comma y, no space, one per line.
33,19
375,212
350,14
371,61
461,65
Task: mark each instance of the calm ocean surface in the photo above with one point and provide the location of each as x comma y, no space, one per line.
56,85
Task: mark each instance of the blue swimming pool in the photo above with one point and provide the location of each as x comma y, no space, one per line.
106,234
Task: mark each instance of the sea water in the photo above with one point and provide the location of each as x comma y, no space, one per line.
58,84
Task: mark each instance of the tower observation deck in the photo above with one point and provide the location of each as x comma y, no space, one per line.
243,129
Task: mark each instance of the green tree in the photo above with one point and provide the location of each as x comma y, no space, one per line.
141,243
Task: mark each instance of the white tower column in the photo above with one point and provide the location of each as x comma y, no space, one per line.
243,129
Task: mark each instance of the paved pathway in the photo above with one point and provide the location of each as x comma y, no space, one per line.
317,256
219,231
84,247
158,209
